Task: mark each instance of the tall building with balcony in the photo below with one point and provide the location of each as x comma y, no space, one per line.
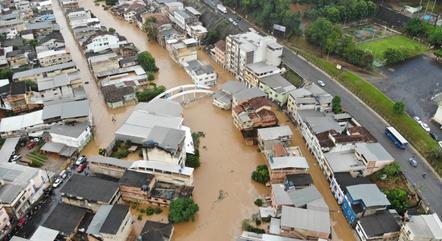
248,48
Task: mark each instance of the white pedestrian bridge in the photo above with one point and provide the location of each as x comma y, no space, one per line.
186,94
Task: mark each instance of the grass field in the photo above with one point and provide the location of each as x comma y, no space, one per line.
378,47
383,105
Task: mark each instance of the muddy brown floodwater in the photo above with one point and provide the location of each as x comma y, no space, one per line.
223,188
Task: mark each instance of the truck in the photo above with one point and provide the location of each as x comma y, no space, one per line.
221,8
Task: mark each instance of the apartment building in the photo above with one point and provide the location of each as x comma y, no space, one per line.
277,88
309,97
248,48
254,72
421,228
218,52
53,57
201,74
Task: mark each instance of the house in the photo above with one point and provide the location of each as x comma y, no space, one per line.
223,97
182,18
297,181
116,97
309,97
110,222
438,114
277,88
166,34
218,52
53,40
182,50
201,74
5,222
165,172
42,72
251,47
249,236
108,166
333,140
130,76
42,233
282,195
279,167
381,226
305,223
421,228
81,191
197,31
363,200
17,58
65,219
21,187
128,61
62,86
254,72
53,57
66,4
15,97
67,112
21,124
341,181
245,95
268,137
66,140
104,62
157,127
156,231
102,40
253,114
139,187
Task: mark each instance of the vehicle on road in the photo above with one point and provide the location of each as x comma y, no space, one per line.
15,158
434,136
321,83
234,23
57,182
221,8
31,145
81,167
440,144
63,174
412,162
417,119
81,160
231,20
396,137
425,126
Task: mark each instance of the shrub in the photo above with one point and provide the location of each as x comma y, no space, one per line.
157,210
193,160
261,174
149,211
182,210
258,202
151,76
258,222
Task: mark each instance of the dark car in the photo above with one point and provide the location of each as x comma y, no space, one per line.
434,136
81,167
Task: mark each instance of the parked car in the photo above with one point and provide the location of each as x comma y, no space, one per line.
425,126
231,20
440,144
31,145
15,158
57,182
321,83
412,162
81,167
63,174
417,119
434,136
234,23
81,160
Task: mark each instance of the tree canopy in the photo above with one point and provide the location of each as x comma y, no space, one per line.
147,61
182,210
261,174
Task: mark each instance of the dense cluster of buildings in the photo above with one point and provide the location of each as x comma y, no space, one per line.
179,31
347,153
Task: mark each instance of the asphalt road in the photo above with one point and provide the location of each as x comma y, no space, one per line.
430,187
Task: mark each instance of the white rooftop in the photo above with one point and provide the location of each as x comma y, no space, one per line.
305,219
160,166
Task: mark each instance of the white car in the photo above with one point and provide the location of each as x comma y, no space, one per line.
440,144
425,127
57,182
417,119
321,83
231,20
234,23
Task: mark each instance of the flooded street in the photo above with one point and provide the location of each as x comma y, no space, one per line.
224,190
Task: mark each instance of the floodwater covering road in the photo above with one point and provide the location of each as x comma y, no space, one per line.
223,187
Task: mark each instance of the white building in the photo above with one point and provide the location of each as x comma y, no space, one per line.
201,74
53,57
422,228
309,97
165,172
103,40
58,87
251,47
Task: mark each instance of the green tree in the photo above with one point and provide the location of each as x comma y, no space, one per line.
392,169
398,199
147,61
193,160
416,27
435,37
182,210
319,32
112,30
258,202
111,2
393,56
151,28
150,93
399,107
30,84
151,76
336,105
212,37
261,174
6,74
